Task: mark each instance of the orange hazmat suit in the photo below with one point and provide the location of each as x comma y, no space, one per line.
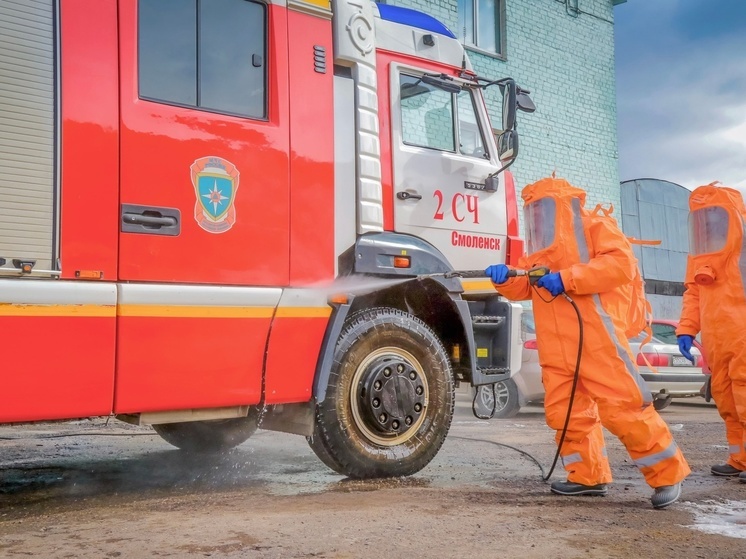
595,260
715,303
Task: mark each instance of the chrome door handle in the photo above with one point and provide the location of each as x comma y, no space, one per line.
404,195
148,220
151,220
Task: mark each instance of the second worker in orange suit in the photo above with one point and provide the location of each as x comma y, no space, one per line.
715,303
588,260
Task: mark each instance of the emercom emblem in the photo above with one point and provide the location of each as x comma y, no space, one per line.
215,183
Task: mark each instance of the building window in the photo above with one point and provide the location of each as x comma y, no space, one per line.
205,54
481,24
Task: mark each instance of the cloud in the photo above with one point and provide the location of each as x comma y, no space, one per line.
680,94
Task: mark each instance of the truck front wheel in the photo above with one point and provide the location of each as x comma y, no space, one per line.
209,436
389,402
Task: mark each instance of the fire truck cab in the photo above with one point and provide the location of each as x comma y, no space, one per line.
224,215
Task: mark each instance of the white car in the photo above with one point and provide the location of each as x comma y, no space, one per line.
524,387
672,376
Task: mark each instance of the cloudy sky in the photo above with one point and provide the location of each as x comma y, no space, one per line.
681,90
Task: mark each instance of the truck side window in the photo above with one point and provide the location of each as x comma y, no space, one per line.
427,119
206,54
469,135
426,115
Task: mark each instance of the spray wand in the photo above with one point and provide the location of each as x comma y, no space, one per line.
533,274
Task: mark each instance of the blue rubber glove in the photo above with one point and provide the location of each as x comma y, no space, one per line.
552,283
685,346
497,273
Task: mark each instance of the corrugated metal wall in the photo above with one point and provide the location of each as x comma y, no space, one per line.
27,129
655,209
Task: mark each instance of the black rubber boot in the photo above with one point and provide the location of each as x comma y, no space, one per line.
573,489
725,470
666,495
742,477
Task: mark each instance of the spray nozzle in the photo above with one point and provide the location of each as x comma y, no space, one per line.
533,274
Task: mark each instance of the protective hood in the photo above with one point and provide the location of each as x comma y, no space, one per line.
554,211
716,235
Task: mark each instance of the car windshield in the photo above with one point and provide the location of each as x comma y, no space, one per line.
665,332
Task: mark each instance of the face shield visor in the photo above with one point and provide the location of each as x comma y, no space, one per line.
708,230
540,223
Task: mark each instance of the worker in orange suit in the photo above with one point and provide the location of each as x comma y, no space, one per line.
715,304
588,259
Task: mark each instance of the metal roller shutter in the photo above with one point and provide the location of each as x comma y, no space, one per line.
27,131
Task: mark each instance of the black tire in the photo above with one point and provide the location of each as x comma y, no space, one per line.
209,436
506,392
662,403
324,454
393,357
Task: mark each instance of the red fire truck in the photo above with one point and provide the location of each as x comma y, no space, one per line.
224,215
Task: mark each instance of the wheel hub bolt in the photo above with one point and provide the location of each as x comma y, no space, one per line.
395,424
377,385
376,402
408,420
387,372
412,375
382,418
418,390
399,368
418,407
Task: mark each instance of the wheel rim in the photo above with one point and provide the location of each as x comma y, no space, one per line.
501,392
389,396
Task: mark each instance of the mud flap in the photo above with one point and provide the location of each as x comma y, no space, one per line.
326,356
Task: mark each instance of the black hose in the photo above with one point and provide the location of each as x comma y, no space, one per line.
494,403
502,444
574,386
575,378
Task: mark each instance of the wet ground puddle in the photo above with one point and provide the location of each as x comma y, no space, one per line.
725,518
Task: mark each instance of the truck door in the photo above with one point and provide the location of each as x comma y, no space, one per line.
443,151
204,200
204,143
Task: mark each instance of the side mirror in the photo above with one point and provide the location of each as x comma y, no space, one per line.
507,146
509,104
491,183
524,102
